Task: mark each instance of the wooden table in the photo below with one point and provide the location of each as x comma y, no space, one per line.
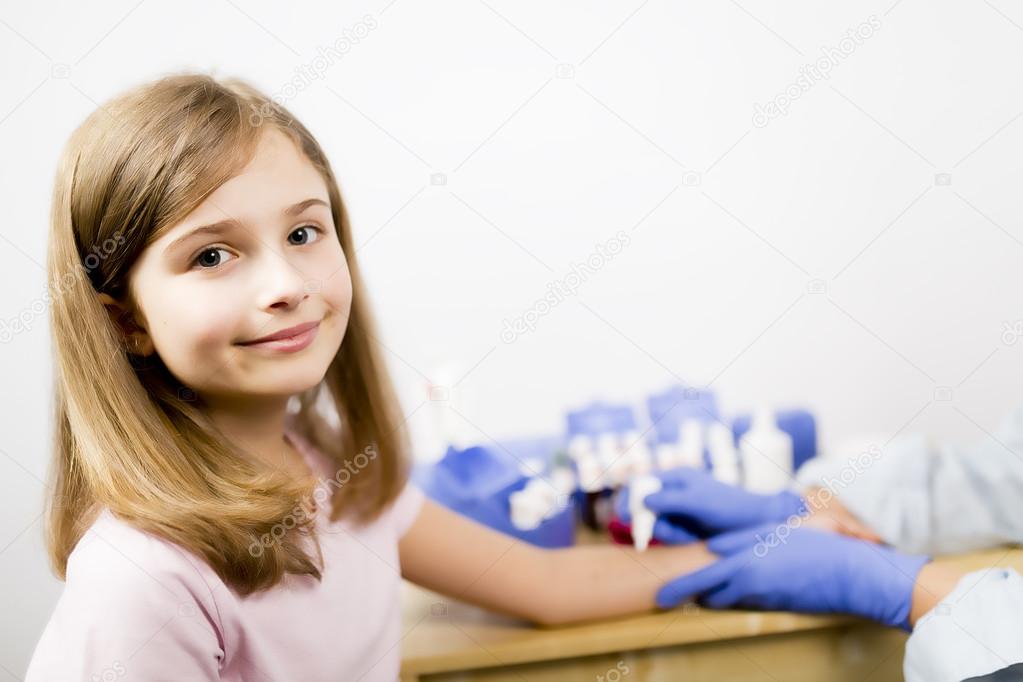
448,640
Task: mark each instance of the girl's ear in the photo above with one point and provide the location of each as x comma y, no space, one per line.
133,332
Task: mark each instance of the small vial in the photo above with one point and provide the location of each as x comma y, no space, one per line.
579,446
666,456
691,444
635,454
766,454
642,518
591,474
609,456
724,458
563,479
639,459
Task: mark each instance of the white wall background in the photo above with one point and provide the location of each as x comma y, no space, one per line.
555,126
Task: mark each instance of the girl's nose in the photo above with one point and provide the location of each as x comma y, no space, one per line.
281,284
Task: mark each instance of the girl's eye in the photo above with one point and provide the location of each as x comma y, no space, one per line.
209,259
205,261
312,233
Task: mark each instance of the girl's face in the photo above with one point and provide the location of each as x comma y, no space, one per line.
271,260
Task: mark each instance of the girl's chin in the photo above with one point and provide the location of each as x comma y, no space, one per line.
268,383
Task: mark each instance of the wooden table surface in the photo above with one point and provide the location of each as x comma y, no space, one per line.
444,637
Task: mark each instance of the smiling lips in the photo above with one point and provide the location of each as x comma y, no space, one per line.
287,340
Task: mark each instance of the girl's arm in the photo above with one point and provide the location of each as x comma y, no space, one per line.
445,552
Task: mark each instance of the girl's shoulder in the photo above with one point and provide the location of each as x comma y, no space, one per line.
127,590
116,560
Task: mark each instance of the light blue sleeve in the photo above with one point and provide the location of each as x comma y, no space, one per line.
933,499
975,631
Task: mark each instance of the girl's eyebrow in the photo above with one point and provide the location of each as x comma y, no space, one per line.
225,225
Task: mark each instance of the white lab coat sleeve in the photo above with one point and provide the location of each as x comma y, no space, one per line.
976,630
925,498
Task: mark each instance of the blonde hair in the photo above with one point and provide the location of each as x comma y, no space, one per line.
129,436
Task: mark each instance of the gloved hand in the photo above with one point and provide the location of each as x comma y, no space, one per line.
776,567
692,505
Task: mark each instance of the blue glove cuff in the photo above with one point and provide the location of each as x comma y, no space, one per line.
895,597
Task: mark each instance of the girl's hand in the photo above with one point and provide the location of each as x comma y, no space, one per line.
693,505
834,516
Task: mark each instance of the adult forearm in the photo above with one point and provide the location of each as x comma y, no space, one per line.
933,583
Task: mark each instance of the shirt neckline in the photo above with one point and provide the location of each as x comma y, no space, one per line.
312,458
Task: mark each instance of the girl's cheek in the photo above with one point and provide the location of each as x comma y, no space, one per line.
200,321
215,333
337,282
337,294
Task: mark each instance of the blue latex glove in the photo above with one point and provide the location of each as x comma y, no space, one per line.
781,568
692,505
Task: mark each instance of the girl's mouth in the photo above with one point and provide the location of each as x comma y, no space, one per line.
287,340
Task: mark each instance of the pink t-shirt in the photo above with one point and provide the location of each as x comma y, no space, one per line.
136,607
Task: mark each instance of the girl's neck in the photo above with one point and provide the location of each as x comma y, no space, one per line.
256,427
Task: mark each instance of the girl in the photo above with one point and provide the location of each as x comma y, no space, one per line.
231,496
